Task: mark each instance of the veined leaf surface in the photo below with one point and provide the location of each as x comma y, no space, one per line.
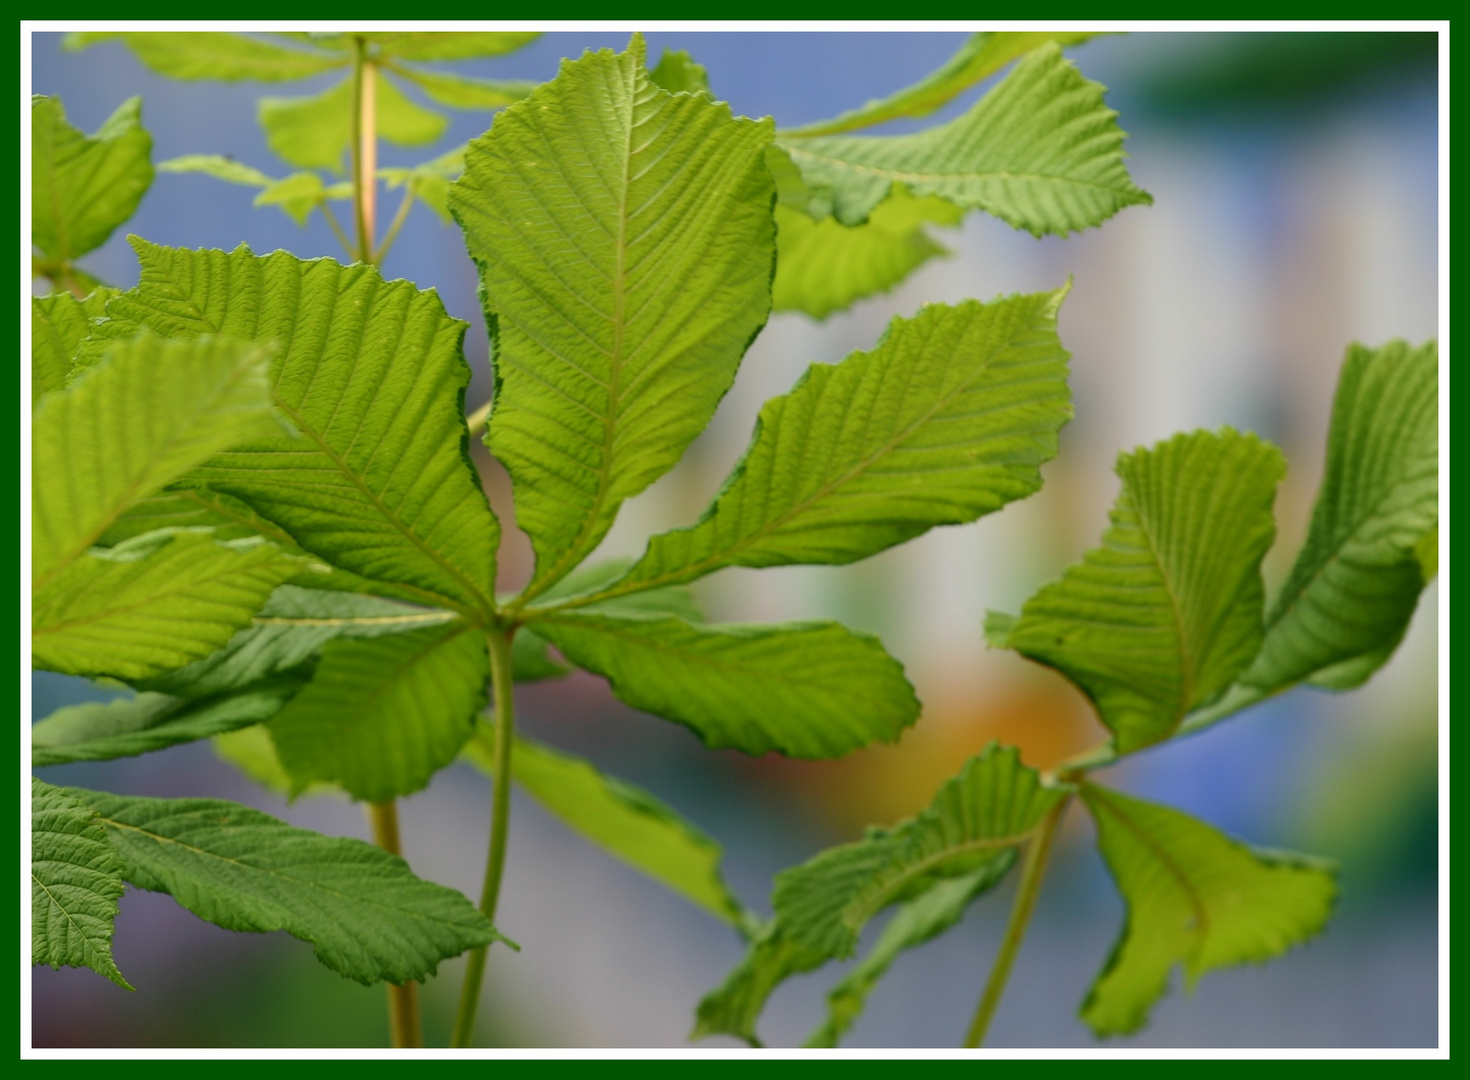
1163,616
734,1007
977,821
947,420
1041,152
807,690
625,241
76,879
1195,897
368,917
59,323
677,72
371,375
1356,582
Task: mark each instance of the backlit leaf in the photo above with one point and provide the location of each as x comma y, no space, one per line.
458,45
315,132
677,73
463,91
735,1006
59,323
217,166
183,54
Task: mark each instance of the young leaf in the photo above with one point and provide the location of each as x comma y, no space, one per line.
463,92
734,1007
152,604
101,731
299,194
1164,615
288,632
383,714
217,166
677,73
823,266
314,132
922,919
367,915
947,420
430,180
59,323
83,187
612,350
1041,152
978,58
807,690
372,376
76,879
459,45
1194,897
227,57
623,820
138,422
976,822
1349,598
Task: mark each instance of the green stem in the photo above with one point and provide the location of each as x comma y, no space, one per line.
474,975
393,227
477,420
1034,870
404,1022
337,228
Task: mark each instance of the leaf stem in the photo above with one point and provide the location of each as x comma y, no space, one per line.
404,1023
1037,852
474,975
393,227
477,420
337,228
364,148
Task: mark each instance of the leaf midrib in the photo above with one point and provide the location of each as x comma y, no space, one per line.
911,177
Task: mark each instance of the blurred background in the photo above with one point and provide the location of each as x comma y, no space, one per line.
1295,185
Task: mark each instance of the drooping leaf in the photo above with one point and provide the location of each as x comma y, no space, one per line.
977,821
808,690
735,1006
151,604
824,266
76,879
1195,897
677,73
921,919
101,731
430,180
83,187
947,420
378,482
289,631
457,45
1163,616
978,58
227,57
253,752
368,917
383,714
624,820
403,121
463,91
613,349
299,194
59,323
150,413
218,166
1348,600
1041,152
315,132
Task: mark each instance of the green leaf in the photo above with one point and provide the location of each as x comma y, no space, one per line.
611,351
315,132
227,57
1041,152
152,604
365,912
624,820
947,420
288,632
922,919
218,166
297,195
252,751
677,73
733,1008
383,714
147,415
464,92
429,181
976,822
1349,598
83,187
461,45
1195,897
1163,616
59,323
978,58
808,690
1427,552
101,731
823,266
404,122
372,375
76,879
